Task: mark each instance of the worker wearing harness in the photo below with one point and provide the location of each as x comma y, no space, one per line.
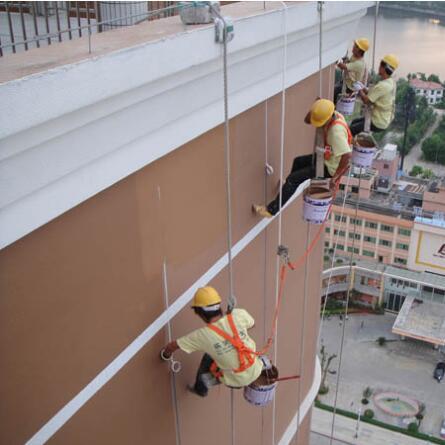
353,68
337,141
381,97
229,352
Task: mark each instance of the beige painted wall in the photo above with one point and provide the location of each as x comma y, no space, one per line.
76,292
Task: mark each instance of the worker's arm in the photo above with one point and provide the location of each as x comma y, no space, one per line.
341,169
363,94
342,66
168,350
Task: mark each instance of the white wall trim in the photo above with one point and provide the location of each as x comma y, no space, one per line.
70,409
305,406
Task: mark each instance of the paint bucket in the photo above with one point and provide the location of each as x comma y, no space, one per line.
363,151
345,104
197,13
259,395
316,202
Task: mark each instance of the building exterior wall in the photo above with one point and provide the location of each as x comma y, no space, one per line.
78,290
434,201
378,237
427,250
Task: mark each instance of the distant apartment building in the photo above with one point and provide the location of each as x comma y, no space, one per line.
432,91
390,235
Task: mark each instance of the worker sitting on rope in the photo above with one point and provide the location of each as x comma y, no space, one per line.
353,69
337,141
229,352
381,98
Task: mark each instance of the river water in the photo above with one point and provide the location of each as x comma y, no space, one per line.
416,40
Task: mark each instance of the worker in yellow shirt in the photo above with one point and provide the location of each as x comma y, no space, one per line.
229,352
353,69
380,97
337,141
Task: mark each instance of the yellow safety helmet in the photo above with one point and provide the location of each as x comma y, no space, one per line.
391,60
321,112
206,296
362,43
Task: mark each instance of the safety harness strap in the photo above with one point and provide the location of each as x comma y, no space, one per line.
337,121
246,356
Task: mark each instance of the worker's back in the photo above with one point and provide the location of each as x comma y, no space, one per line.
222,351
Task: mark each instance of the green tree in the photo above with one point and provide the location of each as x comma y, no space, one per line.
427,174
433,149
416,170
434,78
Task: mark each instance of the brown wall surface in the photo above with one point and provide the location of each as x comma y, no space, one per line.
77,291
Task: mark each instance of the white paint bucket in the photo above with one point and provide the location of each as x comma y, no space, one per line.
316,202
345,105
197,13
259,395
363,151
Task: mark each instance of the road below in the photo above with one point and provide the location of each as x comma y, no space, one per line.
346,430
414,157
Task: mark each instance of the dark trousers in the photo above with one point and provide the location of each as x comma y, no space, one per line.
303,168
204,368
338,89
358,125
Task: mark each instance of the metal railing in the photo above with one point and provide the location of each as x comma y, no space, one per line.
26,25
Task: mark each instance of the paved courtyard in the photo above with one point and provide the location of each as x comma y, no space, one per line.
402,366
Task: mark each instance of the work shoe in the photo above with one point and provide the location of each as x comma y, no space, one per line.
261,211
192,389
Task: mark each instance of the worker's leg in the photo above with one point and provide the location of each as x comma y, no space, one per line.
357,125
302,162
337,90
297,176
200,386
376,129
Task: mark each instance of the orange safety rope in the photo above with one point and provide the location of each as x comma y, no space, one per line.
243,351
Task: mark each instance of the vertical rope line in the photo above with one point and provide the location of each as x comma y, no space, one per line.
346,312
231,299
228,167
280,216
330,85
172,374
303,327
320,48
266,156
302,333
333,259
374,40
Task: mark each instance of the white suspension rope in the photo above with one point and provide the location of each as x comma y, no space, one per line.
308,232
282,132
333,259
173,373
375,36
231,299
339,368
320,48
266,158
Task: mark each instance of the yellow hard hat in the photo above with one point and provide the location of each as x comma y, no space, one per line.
321,112
362,43
206,296
391,60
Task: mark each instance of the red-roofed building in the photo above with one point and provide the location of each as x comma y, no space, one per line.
432,91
